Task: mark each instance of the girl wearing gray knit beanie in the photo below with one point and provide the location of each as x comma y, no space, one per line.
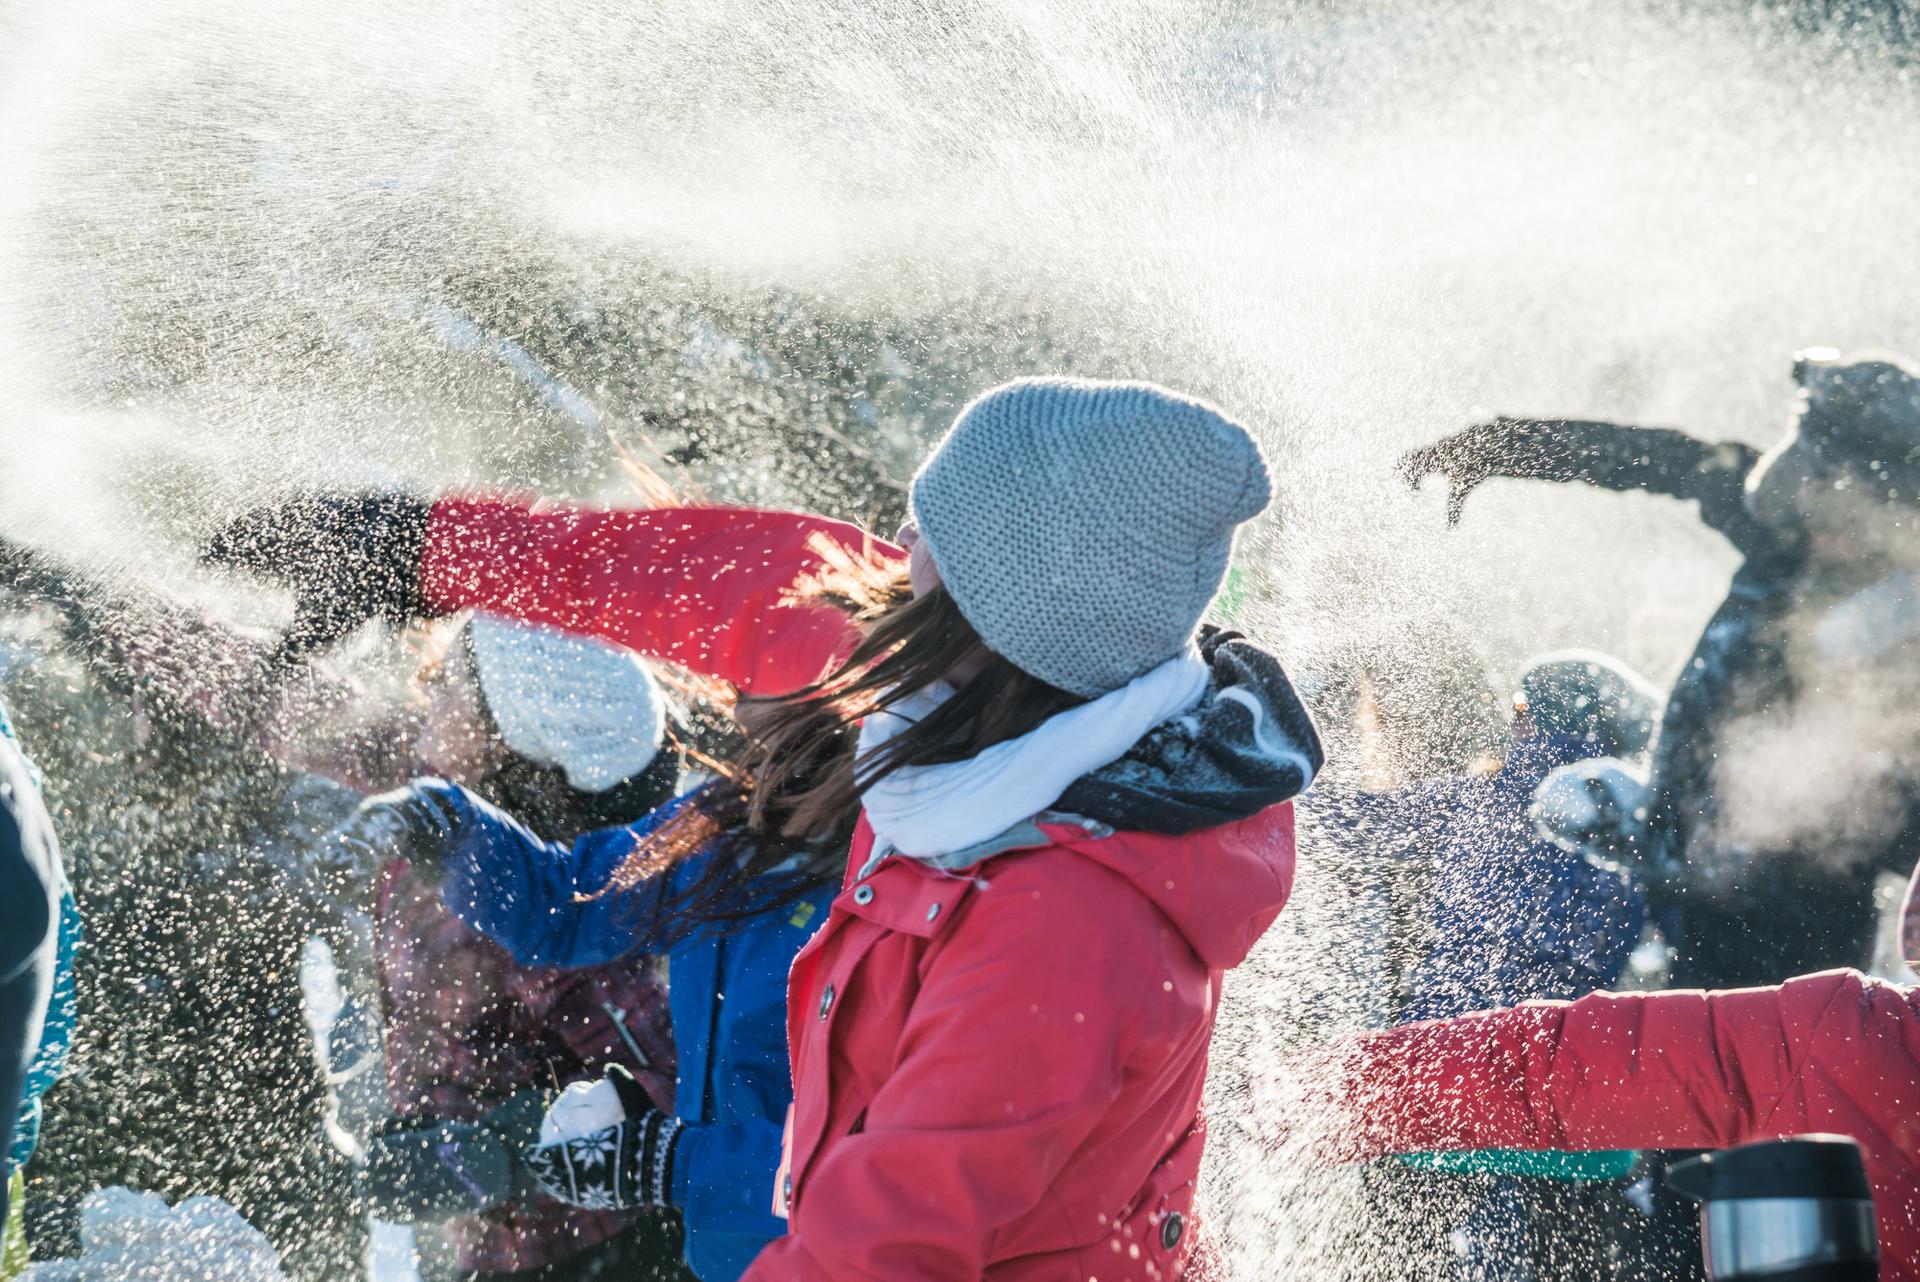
1075,819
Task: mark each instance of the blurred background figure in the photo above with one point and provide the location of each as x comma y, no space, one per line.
572,734
1517,915
253,1115
1788,755
1492,910
39,931
1399,712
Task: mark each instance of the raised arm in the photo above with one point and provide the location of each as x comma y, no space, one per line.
1609,455
712,589
540,900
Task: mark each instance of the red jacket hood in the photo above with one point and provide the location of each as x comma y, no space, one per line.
1221,887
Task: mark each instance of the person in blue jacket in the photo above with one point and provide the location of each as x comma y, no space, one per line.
727,910
1515,915
39,930
1493,913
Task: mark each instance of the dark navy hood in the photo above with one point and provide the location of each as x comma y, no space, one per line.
1247,745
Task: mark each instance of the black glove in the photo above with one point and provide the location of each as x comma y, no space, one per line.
349,558
411,823
423,1172
1466,458
623,1167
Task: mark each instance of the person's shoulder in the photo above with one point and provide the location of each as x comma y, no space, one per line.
29,863
1851,1026
1058,901
1057,867
28,828
1842,1011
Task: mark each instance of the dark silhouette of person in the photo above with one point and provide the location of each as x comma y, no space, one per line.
1785,768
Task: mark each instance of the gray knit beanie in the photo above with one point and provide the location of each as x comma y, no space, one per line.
1084,526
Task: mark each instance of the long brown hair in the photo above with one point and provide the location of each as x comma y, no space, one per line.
784,806
911,643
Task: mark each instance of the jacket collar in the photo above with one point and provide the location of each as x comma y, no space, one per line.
1220,888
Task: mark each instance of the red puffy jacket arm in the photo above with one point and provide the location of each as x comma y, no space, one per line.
707,588
1645,1070
1005,1068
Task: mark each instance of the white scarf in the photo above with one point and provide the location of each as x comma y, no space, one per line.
928,811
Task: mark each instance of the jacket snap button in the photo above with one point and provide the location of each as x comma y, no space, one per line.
1170,1230
863,895
786,1188
826,1001
933,912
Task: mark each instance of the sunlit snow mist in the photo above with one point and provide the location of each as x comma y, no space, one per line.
246,246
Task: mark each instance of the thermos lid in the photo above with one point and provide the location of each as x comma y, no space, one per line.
1806,1166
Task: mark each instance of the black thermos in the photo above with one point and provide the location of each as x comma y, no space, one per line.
1793,1210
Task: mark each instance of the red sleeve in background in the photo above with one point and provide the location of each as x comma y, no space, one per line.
1837,1052
1449,1084
1682,1069
707,588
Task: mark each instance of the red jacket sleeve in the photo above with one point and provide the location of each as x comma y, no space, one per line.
1644,1070
707,588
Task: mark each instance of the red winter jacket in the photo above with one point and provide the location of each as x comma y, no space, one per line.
1834,1052
998,1074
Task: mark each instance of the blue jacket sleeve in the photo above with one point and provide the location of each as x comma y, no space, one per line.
723,1180
539,899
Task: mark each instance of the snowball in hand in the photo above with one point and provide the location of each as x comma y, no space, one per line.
582,1109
